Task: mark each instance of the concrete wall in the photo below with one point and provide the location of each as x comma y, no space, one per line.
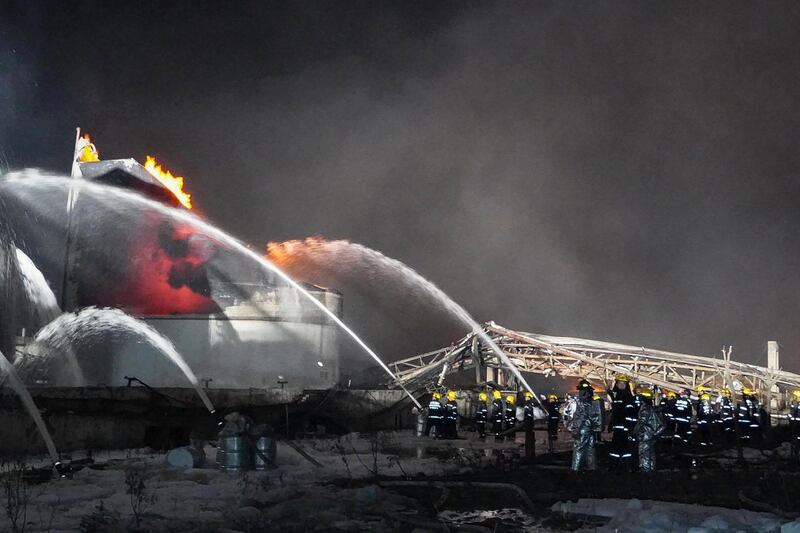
131,417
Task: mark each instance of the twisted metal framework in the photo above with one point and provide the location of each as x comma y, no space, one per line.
595,361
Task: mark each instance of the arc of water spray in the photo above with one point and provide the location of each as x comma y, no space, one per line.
449,304
118,318
30,405
216,233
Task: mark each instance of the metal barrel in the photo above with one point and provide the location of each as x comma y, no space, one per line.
186,457
234,453
266,447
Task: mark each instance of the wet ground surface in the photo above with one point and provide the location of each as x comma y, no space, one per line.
400,482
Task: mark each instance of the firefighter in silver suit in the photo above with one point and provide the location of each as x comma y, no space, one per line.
583,423
650,424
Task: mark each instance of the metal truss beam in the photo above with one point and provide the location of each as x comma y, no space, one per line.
596,361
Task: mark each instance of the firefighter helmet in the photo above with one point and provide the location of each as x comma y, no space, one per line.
552,397
747,391
510,398
796,393
451,395
584,385
725,392
644,392
596,397
671,394
705,396
623,377
483,396
528,395
496,395
437,396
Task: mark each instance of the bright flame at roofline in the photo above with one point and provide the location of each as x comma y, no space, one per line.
173,183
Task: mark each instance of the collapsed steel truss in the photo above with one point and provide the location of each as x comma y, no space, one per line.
595,361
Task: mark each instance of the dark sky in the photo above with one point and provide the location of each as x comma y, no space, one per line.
617,170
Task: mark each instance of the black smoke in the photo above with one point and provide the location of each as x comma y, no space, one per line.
622,171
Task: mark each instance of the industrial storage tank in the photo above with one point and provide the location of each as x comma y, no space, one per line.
235,325
277,339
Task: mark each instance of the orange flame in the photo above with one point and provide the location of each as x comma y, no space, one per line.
173,183
88,153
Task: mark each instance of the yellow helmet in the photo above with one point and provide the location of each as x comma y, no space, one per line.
796,393
483,396
705,396
496,395
552,397
596,397
437,396
623,377
528,395
510,398
671,394
451,395
644,392
748,391
725,392
700,389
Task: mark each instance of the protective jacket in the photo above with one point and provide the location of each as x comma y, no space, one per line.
794,419
451,419
705,417
725,414
746,417
583,424
683,420
497,418
623,418
649,425
435,417
481,417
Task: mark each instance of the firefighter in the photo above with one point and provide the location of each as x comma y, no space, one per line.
725,420
650,424
683,419
622,404
482,414
705,419
746,414
668,410
511,413
583,424
756,416
497,415
794,423
601,404
528,410
553,418
435,416
451,416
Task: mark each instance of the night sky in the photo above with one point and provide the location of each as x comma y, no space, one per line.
624,171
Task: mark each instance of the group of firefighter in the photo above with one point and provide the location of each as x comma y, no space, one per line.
638,419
